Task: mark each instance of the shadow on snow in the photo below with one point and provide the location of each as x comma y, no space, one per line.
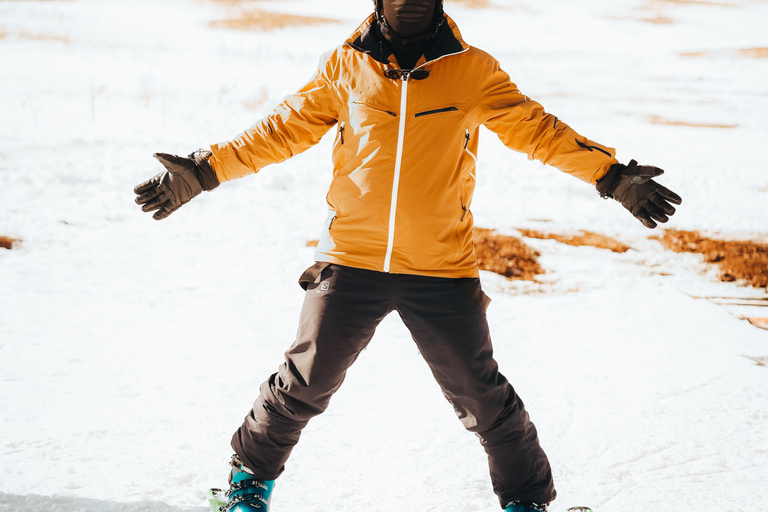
36,503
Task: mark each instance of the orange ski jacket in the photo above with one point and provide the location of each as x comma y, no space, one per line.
404,158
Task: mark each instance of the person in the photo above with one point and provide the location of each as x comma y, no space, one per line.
408,96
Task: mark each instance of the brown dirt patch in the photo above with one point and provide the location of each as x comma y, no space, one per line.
753,53
7,242
670,122
502,254
255,103
694,2
475,4
586,238
28,36
505,255
738,260
749,53
266,20
659,20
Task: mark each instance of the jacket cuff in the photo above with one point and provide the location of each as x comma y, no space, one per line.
607,184
207,176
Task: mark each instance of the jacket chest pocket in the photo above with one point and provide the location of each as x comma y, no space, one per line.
436,111
365,113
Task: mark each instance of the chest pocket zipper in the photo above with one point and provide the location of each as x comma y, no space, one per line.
374,107
436,111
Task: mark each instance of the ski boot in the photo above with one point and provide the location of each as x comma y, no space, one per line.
246,493
525,506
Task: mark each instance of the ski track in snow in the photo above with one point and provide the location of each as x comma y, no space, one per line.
130,350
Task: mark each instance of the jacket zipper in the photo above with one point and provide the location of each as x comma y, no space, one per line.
592,148
396,180
389,112
436,111
474,158
399,159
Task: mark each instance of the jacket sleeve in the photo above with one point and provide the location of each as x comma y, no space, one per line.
297,124
523,125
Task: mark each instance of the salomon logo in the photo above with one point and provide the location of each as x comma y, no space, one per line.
325,288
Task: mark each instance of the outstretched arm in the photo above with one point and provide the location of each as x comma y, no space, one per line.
298,123
523,125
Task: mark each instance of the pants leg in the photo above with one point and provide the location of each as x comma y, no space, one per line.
340,313
452,334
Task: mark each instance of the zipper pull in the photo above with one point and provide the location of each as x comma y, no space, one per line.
341,133
464,213
466,137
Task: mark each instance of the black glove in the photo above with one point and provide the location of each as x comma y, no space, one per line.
183,179
632,186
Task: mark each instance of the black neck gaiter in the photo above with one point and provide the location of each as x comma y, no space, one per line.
407,26
409,18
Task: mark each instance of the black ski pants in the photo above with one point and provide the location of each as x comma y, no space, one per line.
446,318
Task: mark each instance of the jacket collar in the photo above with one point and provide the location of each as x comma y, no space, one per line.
367,39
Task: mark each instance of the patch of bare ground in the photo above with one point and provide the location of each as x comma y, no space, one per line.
671,122
738,260
474,4
257,102
267,20
585,238
7,242
659,20
29,36
748,53
505,255
502,254
694,2
753,53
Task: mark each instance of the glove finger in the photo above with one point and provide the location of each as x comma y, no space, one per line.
643,173
148,196
161,214
669,195
649,170
149,184
662,204
174,163
164,212
643,216
159,202
656,213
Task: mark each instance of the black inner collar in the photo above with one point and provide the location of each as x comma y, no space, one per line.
374,44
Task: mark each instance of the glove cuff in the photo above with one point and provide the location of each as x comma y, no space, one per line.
207,175
606,185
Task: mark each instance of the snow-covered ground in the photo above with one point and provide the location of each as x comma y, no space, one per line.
130,349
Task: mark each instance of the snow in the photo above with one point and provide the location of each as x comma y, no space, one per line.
131,349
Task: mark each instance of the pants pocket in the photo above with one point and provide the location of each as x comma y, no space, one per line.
311,277
470,287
